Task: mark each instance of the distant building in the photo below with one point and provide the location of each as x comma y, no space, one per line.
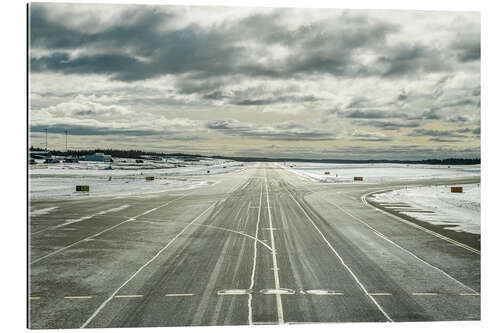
97,157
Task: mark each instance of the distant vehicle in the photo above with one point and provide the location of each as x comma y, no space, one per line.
139,161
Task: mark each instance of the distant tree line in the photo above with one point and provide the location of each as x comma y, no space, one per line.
120,153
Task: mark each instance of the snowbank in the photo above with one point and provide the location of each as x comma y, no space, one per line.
378,173
457,211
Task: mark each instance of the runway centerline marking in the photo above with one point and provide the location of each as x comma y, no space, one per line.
252,277
143,266
424,294
128,296
77,297
279,305
356,279
178,295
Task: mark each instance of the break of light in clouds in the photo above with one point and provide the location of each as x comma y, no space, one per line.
309,83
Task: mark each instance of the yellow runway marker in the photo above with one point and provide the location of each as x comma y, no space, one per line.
424,294
128,296
77,297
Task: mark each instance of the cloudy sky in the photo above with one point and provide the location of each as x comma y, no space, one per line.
310,83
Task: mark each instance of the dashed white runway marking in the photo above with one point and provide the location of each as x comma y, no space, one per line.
234,292
42,211
278,291
424,294
77,297
143,266
252,277
128,296
105,230
323,292
178,295
279,305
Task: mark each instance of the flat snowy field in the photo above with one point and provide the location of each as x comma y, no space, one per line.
456,211
378,173
125,178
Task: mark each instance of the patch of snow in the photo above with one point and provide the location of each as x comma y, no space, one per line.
379,172
456,211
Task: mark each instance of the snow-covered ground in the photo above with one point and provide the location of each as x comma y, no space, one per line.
457,211
377,173
123,177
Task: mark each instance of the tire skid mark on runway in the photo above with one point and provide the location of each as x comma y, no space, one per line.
143,266
384,237
106,230
353,275
279,305
452,241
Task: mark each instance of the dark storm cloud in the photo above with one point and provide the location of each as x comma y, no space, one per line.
286,131
203,53
92,130
407,59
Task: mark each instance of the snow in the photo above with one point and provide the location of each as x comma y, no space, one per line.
456,211
378,173
123,177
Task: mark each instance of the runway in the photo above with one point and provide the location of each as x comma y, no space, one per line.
260,246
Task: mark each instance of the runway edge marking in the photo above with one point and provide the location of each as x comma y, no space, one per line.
342,260
384,237
457,243
142,267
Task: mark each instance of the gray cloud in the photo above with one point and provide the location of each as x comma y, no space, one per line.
437,133
287,131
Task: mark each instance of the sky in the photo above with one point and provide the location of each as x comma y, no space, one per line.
270,82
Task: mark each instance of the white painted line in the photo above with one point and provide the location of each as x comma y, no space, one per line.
380,294
438,235
32,298
470,294
323,292
104,231
77,297
143,266
252,278
42,211
279,305
233,292
72,221
341,260
128,296
424,294
278,291
178,295
400,247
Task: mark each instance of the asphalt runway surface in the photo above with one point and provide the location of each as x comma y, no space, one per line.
259,246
